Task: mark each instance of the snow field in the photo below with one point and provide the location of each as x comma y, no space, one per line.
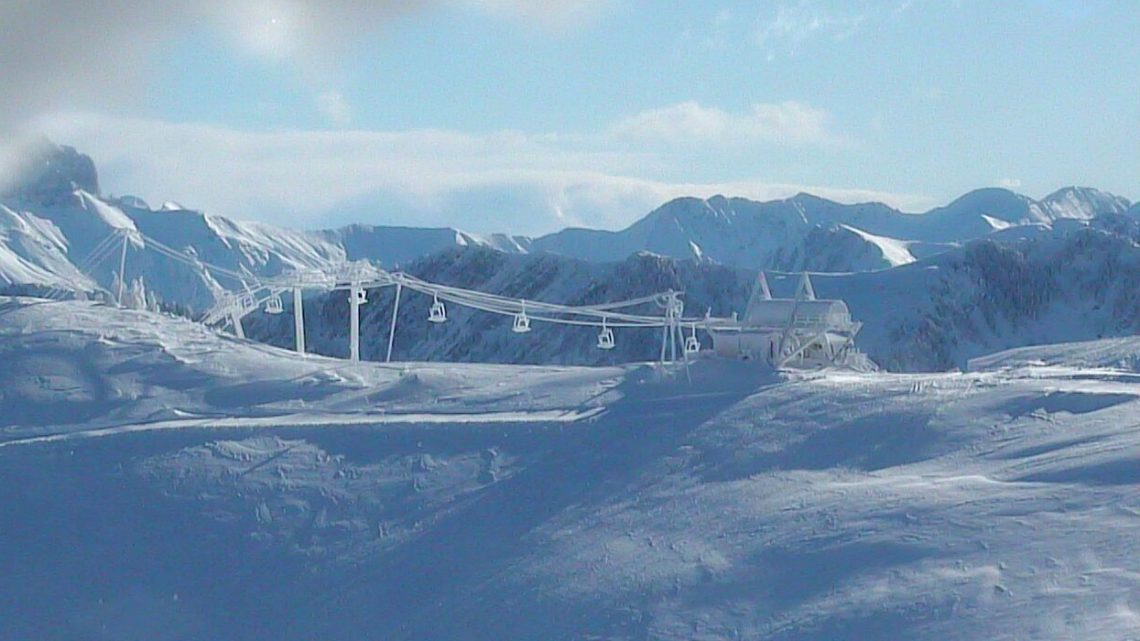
999,503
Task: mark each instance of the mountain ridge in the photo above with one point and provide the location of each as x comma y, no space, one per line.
52,220
790,220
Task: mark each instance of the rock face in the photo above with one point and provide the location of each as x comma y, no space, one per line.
51,174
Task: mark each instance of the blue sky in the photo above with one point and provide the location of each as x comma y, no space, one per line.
502,115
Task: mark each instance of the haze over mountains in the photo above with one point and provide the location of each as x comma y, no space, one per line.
930,287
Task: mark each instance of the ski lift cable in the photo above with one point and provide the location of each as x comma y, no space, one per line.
634,321
199,264
586,315
96,256
512,306
626,320
432,288
501,305
550,314
492,303
188,260
554,307
412,282
99,253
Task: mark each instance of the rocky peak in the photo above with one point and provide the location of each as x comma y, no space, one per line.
49,174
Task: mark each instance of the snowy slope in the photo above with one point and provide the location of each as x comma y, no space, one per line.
81,221
33,250
1120,354
243,247
989,296
842,248
196,487
70,364
55,217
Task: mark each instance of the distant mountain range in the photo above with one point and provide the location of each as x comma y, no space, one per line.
801,232
808,232
53,217
991,270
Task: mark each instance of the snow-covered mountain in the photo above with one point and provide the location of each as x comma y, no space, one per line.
804,230
54,215
391,246
33,251
1054,287
730,231
164,482
1083,203
52,219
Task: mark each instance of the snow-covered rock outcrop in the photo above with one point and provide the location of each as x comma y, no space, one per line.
48,175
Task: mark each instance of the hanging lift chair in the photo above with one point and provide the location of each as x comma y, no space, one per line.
438,313
522,322
692,345
273,305
605,337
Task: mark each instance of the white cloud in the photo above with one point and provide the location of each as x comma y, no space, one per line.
1009,183
796,22
500,181
68,55
334,106
788,123
61,54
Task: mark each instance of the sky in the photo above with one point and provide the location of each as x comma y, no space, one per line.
526,117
